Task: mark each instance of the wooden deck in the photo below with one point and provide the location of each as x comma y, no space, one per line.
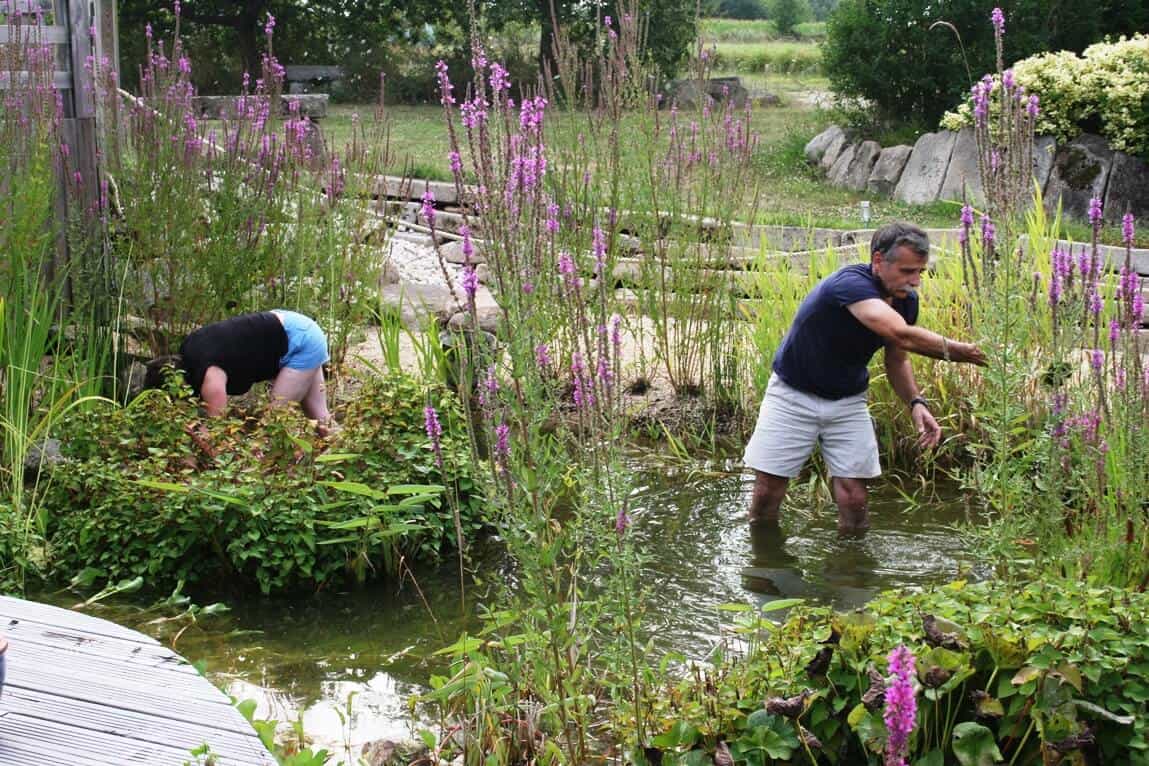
81,690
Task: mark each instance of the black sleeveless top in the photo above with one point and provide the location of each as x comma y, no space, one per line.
247,347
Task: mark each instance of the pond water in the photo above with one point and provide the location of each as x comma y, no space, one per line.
346,664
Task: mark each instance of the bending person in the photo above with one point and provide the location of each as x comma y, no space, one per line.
817,393
225,358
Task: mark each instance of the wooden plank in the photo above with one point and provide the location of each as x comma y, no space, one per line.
43,742
83,83
131,724
22,609
83,690
61,80
50,35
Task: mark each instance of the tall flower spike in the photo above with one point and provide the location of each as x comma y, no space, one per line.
998,19
1095,212
1127,229
434,432
901,710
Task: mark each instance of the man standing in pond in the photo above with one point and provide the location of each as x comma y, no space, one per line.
817,393
226,358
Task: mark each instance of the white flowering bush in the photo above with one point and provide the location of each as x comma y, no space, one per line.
1105,88
1116,75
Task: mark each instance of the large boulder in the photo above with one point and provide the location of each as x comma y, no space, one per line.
1080,172
836,146
1128,189
925,171
857,175
1044,147
963,179
692,94
837,173
820,143
888,169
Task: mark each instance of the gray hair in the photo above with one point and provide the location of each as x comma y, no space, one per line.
887,239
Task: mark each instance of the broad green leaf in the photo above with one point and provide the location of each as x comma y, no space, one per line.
974,745
416,489
782,603
355,488
734,608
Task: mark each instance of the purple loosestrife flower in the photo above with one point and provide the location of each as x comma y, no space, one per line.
901,711
966,223
1138,307
1095,212
988,232
470,283
543,357
474,113
500,80
456,162
1031,106
1127,229
552,223
434,432
1097,359
1007,80
502,446
998,19
980,103
269,26
1114,332
1095,301
446,97
621,521
599,247
468,245
1055,289
429,206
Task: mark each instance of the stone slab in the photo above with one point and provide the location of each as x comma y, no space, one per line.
857,175
888,169
841,166
1080,172
962,173
819,143
925,171
1128,189
837,143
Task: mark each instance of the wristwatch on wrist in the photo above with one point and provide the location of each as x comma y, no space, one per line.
918,400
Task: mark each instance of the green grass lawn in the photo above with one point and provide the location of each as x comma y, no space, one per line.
791,192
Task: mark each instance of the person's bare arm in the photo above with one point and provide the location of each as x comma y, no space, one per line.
213,391
901,375
880,317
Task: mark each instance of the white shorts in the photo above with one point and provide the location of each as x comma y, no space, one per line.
791,422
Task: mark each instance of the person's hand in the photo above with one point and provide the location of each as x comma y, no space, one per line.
929,432
968,353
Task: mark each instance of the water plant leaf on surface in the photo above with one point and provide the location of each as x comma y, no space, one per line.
974,745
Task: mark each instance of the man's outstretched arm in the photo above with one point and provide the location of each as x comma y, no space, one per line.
880,317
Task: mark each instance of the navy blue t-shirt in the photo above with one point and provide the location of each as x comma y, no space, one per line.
827,350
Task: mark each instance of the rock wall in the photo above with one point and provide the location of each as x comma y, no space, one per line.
939,166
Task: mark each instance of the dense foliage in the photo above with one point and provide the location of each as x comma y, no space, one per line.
886,52
1042,673
1104,90
153,490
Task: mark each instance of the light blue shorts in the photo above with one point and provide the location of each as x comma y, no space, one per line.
306,343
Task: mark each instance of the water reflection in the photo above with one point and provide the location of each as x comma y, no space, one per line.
305,657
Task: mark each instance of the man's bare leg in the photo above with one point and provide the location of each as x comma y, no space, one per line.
769,491
306,387
850,495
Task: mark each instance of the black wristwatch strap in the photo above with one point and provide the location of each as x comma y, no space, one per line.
919,400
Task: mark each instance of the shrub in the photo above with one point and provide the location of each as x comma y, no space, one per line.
1106,89
152,490
885,51
1040,673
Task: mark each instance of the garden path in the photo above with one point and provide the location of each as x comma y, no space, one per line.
84,690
